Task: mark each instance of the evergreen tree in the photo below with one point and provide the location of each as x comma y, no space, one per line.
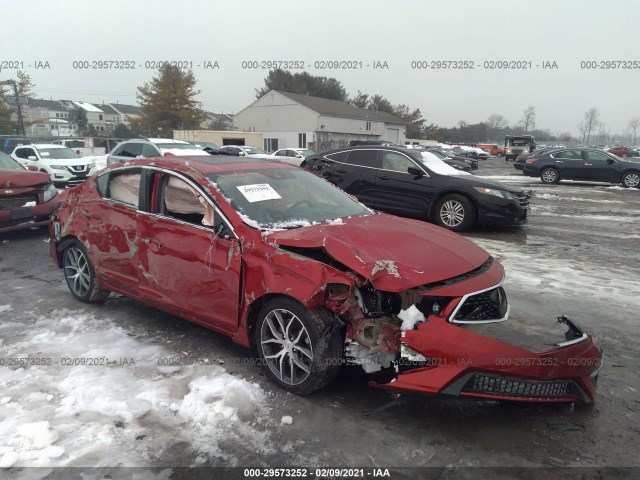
168,102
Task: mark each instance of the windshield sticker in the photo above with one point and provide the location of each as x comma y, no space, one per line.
258,192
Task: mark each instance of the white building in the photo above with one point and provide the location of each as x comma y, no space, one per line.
293,120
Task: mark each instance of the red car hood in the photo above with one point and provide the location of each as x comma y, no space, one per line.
26,178
394,253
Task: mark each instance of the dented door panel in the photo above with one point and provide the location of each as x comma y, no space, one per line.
190,270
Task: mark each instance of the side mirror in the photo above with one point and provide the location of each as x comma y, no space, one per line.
610,161
241,153
32,158
415,171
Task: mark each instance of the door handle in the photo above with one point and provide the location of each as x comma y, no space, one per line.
384,178
154,243
341,171
590,164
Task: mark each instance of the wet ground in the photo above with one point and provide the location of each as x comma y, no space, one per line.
579,255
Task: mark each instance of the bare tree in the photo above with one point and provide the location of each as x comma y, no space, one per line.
495,121
634,124
528,120
588,124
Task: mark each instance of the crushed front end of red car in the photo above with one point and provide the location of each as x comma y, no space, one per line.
27,199
437,351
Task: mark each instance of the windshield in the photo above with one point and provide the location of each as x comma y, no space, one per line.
253,151
8,163
285,198
438,154
436,165
306,153
518,142
57,153
176,146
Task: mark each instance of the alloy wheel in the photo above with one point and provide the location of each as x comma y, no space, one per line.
549,176
287,346
452,213
631,180
76,270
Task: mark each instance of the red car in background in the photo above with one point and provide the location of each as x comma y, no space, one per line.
280,259
624,152
27,198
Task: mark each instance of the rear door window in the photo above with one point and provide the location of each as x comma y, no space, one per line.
364,158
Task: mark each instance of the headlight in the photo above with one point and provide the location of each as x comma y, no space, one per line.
91,165
58,167
494,192
50,192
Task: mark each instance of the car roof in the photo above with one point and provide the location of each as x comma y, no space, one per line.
371,147
207,164
46,145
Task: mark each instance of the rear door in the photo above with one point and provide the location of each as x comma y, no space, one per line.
190,260
355,173
112,237
569,163
401,192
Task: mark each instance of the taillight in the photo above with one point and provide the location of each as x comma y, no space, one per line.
518,157
532,160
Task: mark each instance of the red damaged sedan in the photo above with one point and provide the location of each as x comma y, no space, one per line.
282,260
26,198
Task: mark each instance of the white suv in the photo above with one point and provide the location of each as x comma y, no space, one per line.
61,163
245,151
152,147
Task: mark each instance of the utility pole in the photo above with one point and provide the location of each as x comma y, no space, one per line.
20,124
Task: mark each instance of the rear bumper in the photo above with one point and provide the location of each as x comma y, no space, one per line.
463,363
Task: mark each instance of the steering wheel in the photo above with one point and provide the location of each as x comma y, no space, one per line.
299,203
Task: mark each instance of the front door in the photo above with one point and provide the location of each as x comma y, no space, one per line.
185,266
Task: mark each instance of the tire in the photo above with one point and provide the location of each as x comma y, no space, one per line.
312,355
550,176
80,274
455,213
630,180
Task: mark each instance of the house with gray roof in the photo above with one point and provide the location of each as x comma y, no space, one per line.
127,112
47,119
294,120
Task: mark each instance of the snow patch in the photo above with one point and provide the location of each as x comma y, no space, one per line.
410,317
5,308
286,420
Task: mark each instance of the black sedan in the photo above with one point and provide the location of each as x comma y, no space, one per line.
521,159
453,160
397,180
589,164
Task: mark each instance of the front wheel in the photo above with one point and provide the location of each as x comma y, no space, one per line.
631,180
549,175
80,274
455,213
301,348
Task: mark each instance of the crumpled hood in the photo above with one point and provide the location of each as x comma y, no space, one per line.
22,178
394,253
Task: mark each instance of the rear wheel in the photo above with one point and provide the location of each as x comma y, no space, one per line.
80,274
455,213
631,180
549,175
301,348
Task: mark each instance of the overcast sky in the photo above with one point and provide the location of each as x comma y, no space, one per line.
393,31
